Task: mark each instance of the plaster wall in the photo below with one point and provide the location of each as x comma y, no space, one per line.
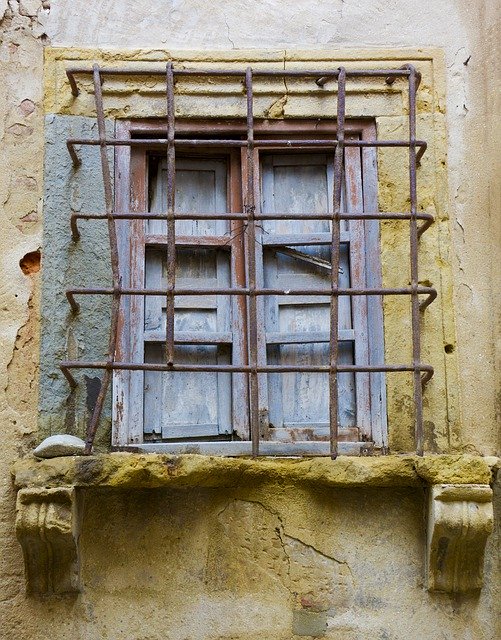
467,33
179,585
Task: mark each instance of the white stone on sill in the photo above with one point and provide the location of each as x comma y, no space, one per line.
61,444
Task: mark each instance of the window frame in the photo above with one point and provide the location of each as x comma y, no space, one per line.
131,194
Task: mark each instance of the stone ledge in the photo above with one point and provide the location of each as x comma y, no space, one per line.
141,471
126,98
48,518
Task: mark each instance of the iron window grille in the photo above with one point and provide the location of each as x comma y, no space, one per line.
251,218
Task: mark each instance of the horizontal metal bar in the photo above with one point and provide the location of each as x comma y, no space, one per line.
402,291
429,291
421,145
210,142
230,368
258,216
301,73
146,215
71,72
390,78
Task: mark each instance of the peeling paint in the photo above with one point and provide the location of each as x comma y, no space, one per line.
149,547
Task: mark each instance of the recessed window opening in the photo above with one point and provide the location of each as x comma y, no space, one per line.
247,288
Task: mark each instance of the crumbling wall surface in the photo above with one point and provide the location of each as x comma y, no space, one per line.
22,36
261,562
281,562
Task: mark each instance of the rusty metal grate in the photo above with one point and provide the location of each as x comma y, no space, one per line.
422,373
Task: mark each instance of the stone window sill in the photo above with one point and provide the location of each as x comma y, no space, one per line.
460,515
141,471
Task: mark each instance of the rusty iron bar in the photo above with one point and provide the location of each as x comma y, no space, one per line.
335,251
238,215
426,377
228,368
269,368
70,74
426,225
251,276
248,291
233,142
75,231
428,300
322,76
417,81
196,142
146,215
70,145
414,265
171,225
409,69
430,292
112,235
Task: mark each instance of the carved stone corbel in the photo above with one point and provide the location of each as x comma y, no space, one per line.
460,519
47,527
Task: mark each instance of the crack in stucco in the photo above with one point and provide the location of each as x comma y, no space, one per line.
283,537
228,33
20,342
277,107
279,532
316,550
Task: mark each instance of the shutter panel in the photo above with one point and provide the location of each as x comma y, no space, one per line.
190,404
297,328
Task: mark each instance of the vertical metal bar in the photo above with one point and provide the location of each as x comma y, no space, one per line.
250,210
112,234
171,225
414,235
335,249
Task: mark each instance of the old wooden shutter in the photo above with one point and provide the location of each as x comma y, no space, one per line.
190,405
296,255
212,329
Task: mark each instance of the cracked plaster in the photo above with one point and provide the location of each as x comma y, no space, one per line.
384,553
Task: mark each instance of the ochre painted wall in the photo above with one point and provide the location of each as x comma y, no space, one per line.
236,563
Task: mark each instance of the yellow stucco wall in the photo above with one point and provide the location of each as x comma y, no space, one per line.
231,563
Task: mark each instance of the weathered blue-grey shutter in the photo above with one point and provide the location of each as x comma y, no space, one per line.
190,405
297,255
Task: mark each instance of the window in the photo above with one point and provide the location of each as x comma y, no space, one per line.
292,185
247,286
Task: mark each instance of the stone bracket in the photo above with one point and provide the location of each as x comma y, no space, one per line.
460,519
47,527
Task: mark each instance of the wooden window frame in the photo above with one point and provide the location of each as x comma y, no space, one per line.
131,194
